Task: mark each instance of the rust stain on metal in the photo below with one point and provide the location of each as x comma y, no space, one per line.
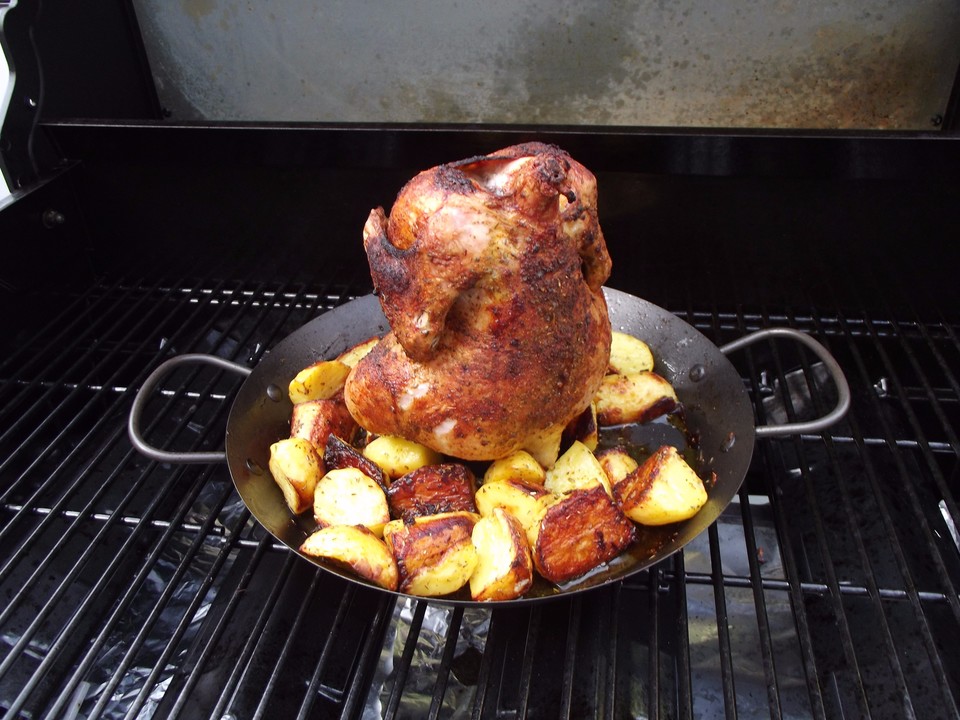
847,79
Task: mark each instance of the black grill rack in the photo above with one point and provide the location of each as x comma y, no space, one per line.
132,588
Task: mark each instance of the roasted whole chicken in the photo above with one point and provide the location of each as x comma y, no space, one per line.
489,271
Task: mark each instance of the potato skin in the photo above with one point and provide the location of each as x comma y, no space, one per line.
351,356
519,465
616,463
637,397
504,566
663,490
526,501
580,531
434,553
339,454
319,381
296,468
357,549
576,469
316,420
432,489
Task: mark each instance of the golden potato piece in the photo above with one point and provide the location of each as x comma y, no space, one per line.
637,397
504,568
523,500
355,354
432,489
584,428
578,533
545,445
434,553
629,354
616,463
339,454
520,465
398,456
346,496
357,549
317,420
296,468
663,490
319,381
576,469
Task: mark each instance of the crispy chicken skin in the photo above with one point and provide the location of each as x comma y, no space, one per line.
489,271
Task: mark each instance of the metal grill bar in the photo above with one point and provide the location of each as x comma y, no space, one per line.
181,694
37,430
4,666
526,669
92,433
820,533
723,631
866,563
286,651
404,668
446,661
66,496
654,699
793,576
625,651
902,563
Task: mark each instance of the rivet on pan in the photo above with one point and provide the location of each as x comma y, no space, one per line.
728,442
274,392
253,466
697,372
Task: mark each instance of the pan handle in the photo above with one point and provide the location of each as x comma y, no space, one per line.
843,389
143,394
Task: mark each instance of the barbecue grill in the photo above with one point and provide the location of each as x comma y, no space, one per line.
829,587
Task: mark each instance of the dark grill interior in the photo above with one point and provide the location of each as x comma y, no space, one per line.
132,588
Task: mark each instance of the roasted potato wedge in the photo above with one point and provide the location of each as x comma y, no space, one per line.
583,428
316,420
432,489
434,553
616,463
582,530
352,356
629,354
346,496
339,454
520,465
398,456
663,490
545,445
637,397
524,500
296,468
504,568
319,381
357,549
576,469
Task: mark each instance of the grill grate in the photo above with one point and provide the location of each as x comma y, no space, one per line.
132,588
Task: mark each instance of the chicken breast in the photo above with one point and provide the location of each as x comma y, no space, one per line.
490,272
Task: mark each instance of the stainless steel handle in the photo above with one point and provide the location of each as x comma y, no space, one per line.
833,367
143,394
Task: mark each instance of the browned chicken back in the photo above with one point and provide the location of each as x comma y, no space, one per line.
489,271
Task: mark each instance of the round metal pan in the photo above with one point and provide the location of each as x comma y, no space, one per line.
717,412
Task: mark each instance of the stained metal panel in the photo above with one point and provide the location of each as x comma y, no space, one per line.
733,63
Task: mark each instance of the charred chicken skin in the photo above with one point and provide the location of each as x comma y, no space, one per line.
489,271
